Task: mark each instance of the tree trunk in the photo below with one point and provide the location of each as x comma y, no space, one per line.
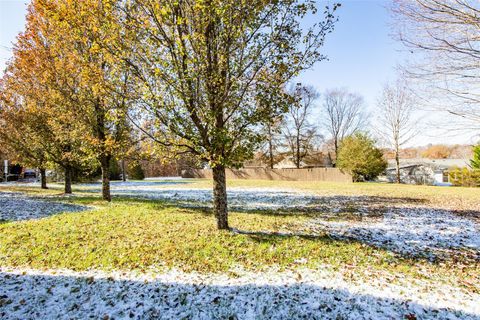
270,150
330,160
68,180
220,197
104,156
105,163
270,146
43,178
298,150
124,174
397,162
334,163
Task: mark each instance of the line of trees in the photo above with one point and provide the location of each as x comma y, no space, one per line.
196,77
314,124
342,117
91,81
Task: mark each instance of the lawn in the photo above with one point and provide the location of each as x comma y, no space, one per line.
145,235
140,234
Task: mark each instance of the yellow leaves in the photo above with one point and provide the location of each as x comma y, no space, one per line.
164,12
107,5
95,48
110,144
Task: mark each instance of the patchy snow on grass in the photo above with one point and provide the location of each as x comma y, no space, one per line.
411,231
15,207
243,198
238,198
405,226
131,185
401,225
304,294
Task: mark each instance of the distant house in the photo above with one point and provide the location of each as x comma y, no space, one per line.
423,171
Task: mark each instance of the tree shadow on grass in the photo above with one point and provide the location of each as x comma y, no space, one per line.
410,233
272,237
82,297
419,232
433,234
16,207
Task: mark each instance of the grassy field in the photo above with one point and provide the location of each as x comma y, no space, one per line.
439,197
469,198
133,234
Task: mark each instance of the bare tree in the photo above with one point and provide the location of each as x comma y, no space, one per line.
299,133
396,127
344,114
273,141
445,35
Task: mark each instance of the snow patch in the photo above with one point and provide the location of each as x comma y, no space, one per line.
411,231
303,294
15,207
238,198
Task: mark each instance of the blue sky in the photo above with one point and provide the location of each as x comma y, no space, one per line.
12,21
362,55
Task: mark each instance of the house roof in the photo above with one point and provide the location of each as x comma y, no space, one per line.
435,163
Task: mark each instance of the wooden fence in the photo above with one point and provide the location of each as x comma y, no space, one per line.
311,174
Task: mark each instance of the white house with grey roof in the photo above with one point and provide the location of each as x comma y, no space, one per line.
424,171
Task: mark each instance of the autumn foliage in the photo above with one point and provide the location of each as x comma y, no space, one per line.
192,76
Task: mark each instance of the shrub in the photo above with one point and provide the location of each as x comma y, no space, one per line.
465,177
359,157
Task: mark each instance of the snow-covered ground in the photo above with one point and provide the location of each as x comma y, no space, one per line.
305,294
15,206
412,231
179,191
399,225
